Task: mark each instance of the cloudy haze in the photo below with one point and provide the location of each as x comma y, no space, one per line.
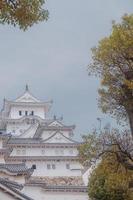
52,58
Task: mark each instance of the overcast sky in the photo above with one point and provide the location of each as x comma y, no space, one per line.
52,58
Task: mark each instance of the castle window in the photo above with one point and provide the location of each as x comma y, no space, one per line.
18,151
20,112
32,112
23,151
53,166
33,166
43,151
67,166
48,166
26,112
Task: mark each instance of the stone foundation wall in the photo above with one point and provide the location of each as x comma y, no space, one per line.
62,181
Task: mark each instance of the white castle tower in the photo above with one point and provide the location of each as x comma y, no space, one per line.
39,152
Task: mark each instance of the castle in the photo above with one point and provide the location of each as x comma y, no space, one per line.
38,155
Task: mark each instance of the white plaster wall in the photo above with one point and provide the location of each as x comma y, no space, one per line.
30,132
55,123
2,160
66,133
58,138
38,193
1,143
86,175
5,196
45,152
61,170
47,134
38,111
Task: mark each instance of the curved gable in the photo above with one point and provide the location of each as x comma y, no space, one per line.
58,137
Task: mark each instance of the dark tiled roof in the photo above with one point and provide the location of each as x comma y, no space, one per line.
58,158
81,189
11,183
3,134
13,187
39,141
42,128
16,168
24,141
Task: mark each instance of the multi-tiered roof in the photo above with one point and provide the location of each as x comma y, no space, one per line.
33,144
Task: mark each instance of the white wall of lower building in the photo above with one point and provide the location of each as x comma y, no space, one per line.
60,168
5,196
1,143
2,160
44,151
87,175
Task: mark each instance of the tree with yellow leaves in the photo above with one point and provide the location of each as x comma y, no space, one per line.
110,182
23,13
113,63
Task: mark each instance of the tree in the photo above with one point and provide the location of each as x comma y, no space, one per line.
113,63
107,182
97,145
23,13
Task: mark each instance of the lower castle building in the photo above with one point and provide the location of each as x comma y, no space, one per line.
38,155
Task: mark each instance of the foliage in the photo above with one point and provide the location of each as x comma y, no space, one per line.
96,145
113,63
23,13
108,182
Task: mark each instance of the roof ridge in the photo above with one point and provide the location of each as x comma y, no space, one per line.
10,186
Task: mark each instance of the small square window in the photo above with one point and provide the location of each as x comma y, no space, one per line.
48,166
32,112
43,151
67,166
26,112
20,112
53,166
33,166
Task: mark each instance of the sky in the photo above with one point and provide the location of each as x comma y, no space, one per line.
52,58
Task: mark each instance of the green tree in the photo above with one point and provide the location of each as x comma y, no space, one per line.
108,182
22,13
113,63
